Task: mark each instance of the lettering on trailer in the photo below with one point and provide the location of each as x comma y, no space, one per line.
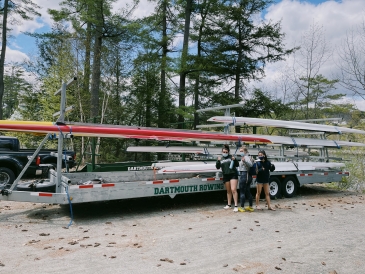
187,189
135,168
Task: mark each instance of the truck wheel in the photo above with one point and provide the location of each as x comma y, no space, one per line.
289,187
7,176
274,188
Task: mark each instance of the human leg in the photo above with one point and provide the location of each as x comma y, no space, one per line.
248,194
233,184
229,193
258,193
267,196
242,184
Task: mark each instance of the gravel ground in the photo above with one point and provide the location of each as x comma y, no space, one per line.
319,231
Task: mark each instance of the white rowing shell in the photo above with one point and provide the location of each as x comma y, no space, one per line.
279,166
208,150
283,124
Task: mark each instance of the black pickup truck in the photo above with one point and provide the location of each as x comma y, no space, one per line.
13,159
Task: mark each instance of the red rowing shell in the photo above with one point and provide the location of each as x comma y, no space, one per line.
117,131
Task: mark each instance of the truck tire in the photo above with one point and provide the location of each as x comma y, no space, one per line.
7,176
290,187
275,188
37,186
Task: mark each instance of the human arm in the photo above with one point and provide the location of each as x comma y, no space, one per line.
260,166
218,163
236,163
247,161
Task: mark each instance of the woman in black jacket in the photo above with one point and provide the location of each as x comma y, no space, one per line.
229,164
262,179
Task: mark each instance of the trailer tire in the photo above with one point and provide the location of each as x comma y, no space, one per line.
7,176
37,186
290,187
274,188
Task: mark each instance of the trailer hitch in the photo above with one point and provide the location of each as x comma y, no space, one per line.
5,192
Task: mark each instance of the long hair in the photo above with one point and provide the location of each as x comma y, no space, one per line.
264,153
226,147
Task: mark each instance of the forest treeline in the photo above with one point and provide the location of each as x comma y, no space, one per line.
156,71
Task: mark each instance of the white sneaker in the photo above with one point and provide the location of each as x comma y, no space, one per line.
227,207
235,209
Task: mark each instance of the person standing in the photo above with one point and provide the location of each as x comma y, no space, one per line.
229,164
245,180
263,167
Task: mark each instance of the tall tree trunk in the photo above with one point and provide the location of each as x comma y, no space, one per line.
162,104
197,81
87,58
148,100
183,72
2,56
204,12
96,69
239,61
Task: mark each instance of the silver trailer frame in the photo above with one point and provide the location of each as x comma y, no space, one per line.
84,187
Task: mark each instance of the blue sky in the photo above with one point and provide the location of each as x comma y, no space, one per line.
337,18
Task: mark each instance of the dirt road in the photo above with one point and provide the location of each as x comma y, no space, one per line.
319,231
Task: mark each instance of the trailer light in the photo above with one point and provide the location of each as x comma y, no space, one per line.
282,176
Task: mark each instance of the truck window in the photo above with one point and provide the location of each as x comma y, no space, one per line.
6,145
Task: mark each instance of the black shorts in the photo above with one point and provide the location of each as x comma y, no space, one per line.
228,177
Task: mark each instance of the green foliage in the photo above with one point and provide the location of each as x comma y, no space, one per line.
316,94
261,105
237,47
15,86
355,165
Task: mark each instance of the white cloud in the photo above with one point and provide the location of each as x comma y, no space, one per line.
37,22
337,19
14,56
45,5
359,103
143,9
25,26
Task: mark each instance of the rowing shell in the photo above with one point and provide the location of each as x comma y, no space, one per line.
279,166
283,124
118,131
280,140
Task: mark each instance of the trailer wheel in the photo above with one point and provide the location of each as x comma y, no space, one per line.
290,187
274,188
7,176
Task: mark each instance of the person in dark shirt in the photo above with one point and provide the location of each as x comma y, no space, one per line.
262,179
229,164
